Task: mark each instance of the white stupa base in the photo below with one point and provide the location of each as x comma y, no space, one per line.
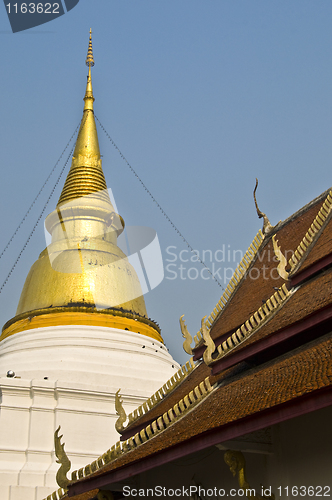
69,376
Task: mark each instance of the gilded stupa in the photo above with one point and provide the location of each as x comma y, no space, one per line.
83,277
81,332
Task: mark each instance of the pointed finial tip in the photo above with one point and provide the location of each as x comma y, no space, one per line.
89,58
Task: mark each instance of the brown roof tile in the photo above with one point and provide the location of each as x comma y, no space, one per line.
194,378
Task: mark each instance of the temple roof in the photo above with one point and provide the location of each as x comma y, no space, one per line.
280,367
262,396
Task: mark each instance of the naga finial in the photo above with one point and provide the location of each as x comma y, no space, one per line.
267,226
120,412
61,475
210,345
237,465
281,259
89,58
186,335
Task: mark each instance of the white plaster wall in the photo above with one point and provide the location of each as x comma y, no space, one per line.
69,376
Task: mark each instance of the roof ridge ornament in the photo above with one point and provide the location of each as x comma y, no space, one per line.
61,475
120,411
208,342
186,335
267,226
281,268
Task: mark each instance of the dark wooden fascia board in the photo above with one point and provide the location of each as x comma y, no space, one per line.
311,323
310,271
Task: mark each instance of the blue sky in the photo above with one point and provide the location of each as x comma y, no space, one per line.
201,97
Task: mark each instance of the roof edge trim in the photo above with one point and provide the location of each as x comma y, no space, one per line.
311,235
234,282
161,393
247,329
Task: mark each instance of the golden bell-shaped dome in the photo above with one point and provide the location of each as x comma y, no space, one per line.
83,277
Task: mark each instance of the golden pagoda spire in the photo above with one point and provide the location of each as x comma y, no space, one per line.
83,277
86,175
